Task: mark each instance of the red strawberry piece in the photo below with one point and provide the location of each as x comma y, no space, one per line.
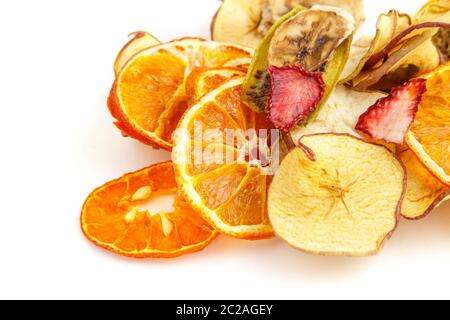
390,118
295,94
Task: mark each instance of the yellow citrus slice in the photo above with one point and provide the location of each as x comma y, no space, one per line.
148,97
217,175
424,192
429,137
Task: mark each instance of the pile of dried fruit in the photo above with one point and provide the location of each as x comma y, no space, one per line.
362,129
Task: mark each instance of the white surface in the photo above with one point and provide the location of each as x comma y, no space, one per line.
59,143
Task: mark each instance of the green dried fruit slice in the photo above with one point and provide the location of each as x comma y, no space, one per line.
331,60
256,86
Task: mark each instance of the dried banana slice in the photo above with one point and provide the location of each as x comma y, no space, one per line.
310,37
247,22
256,87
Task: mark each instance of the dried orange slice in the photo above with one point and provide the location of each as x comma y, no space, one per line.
424,192
148,97
429,136
112,219
227,186
204,80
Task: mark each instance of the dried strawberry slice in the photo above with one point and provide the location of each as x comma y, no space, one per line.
390,118
295,94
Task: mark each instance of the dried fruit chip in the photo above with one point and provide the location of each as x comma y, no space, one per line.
141,40
437,10
358,51
204,80
442,41
332,73
394,43
340,114
406,54
256,86
411,53
247,22
432,11
343,200
423,59
416,48
424,192
429,136
237,22
275,9
215,168
240,63
295,94
148,97
257,83
112,217
390,118
310,37
388,26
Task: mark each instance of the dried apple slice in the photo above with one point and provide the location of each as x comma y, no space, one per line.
247,22
442,41
433,10
424,192
388,26
402,55
393,67
410,33
140,40
426,57
337,195
340,113
358,51
237,22
423,59
437,10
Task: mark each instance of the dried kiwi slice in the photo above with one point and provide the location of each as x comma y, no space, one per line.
256,87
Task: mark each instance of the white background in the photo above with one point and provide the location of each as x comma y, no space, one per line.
58,143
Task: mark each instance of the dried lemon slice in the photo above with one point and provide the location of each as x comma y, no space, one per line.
337,195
